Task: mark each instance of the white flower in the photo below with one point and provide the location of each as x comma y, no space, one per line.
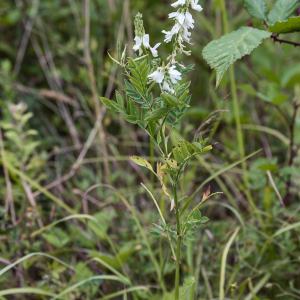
154,51
166,86
169,34
179,16
146,44
157,76
195,6
138,44
179,2
174,75
146,40
189,21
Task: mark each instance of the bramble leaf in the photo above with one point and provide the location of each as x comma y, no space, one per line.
222,53
257,9
282,10
290,25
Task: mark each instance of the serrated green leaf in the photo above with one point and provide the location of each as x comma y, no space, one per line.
257,9
220,54
290,25
282,10
189,147
128,85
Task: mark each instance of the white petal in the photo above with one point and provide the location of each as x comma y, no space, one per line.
156,46
166,86
138,41
173,14
160,77
136,47
179,2
195,5
154,52
181,18
146,41
189,17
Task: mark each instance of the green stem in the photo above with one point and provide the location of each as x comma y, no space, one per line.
162,134
151,161
177,277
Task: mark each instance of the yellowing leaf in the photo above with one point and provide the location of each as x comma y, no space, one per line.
165,190
173,163
172,205
141,162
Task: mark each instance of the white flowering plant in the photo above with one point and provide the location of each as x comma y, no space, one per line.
157,116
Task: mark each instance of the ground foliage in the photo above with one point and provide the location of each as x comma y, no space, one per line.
79,205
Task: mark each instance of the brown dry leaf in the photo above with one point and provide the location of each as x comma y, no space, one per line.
165,190
172,205
206,194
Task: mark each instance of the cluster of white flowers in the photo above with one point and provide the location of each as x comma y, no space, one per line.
183,22
166,75
145,43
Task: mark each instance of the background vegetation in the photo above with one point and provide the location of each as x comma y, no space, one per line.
58,162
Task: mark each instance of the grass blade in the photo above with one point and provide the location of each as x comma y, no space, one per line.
223,264
25,290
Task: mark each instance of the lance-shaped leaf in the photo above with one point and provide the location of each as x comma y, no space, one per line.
282,10
290,25
141,162
220,54
257,9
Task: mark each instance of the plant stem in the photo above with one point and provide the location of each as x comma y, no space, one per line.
164,142
178,244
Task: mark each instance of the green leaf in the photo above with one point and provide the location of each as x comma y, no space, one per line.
248,89
154,234
142,124
190,237
177,156
119,99
173,163
141,162
282,10
186,243
257,9
204,220
157,114
220,54
291,25
279,99
197,214
107,103
152,127
171,172
131,119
